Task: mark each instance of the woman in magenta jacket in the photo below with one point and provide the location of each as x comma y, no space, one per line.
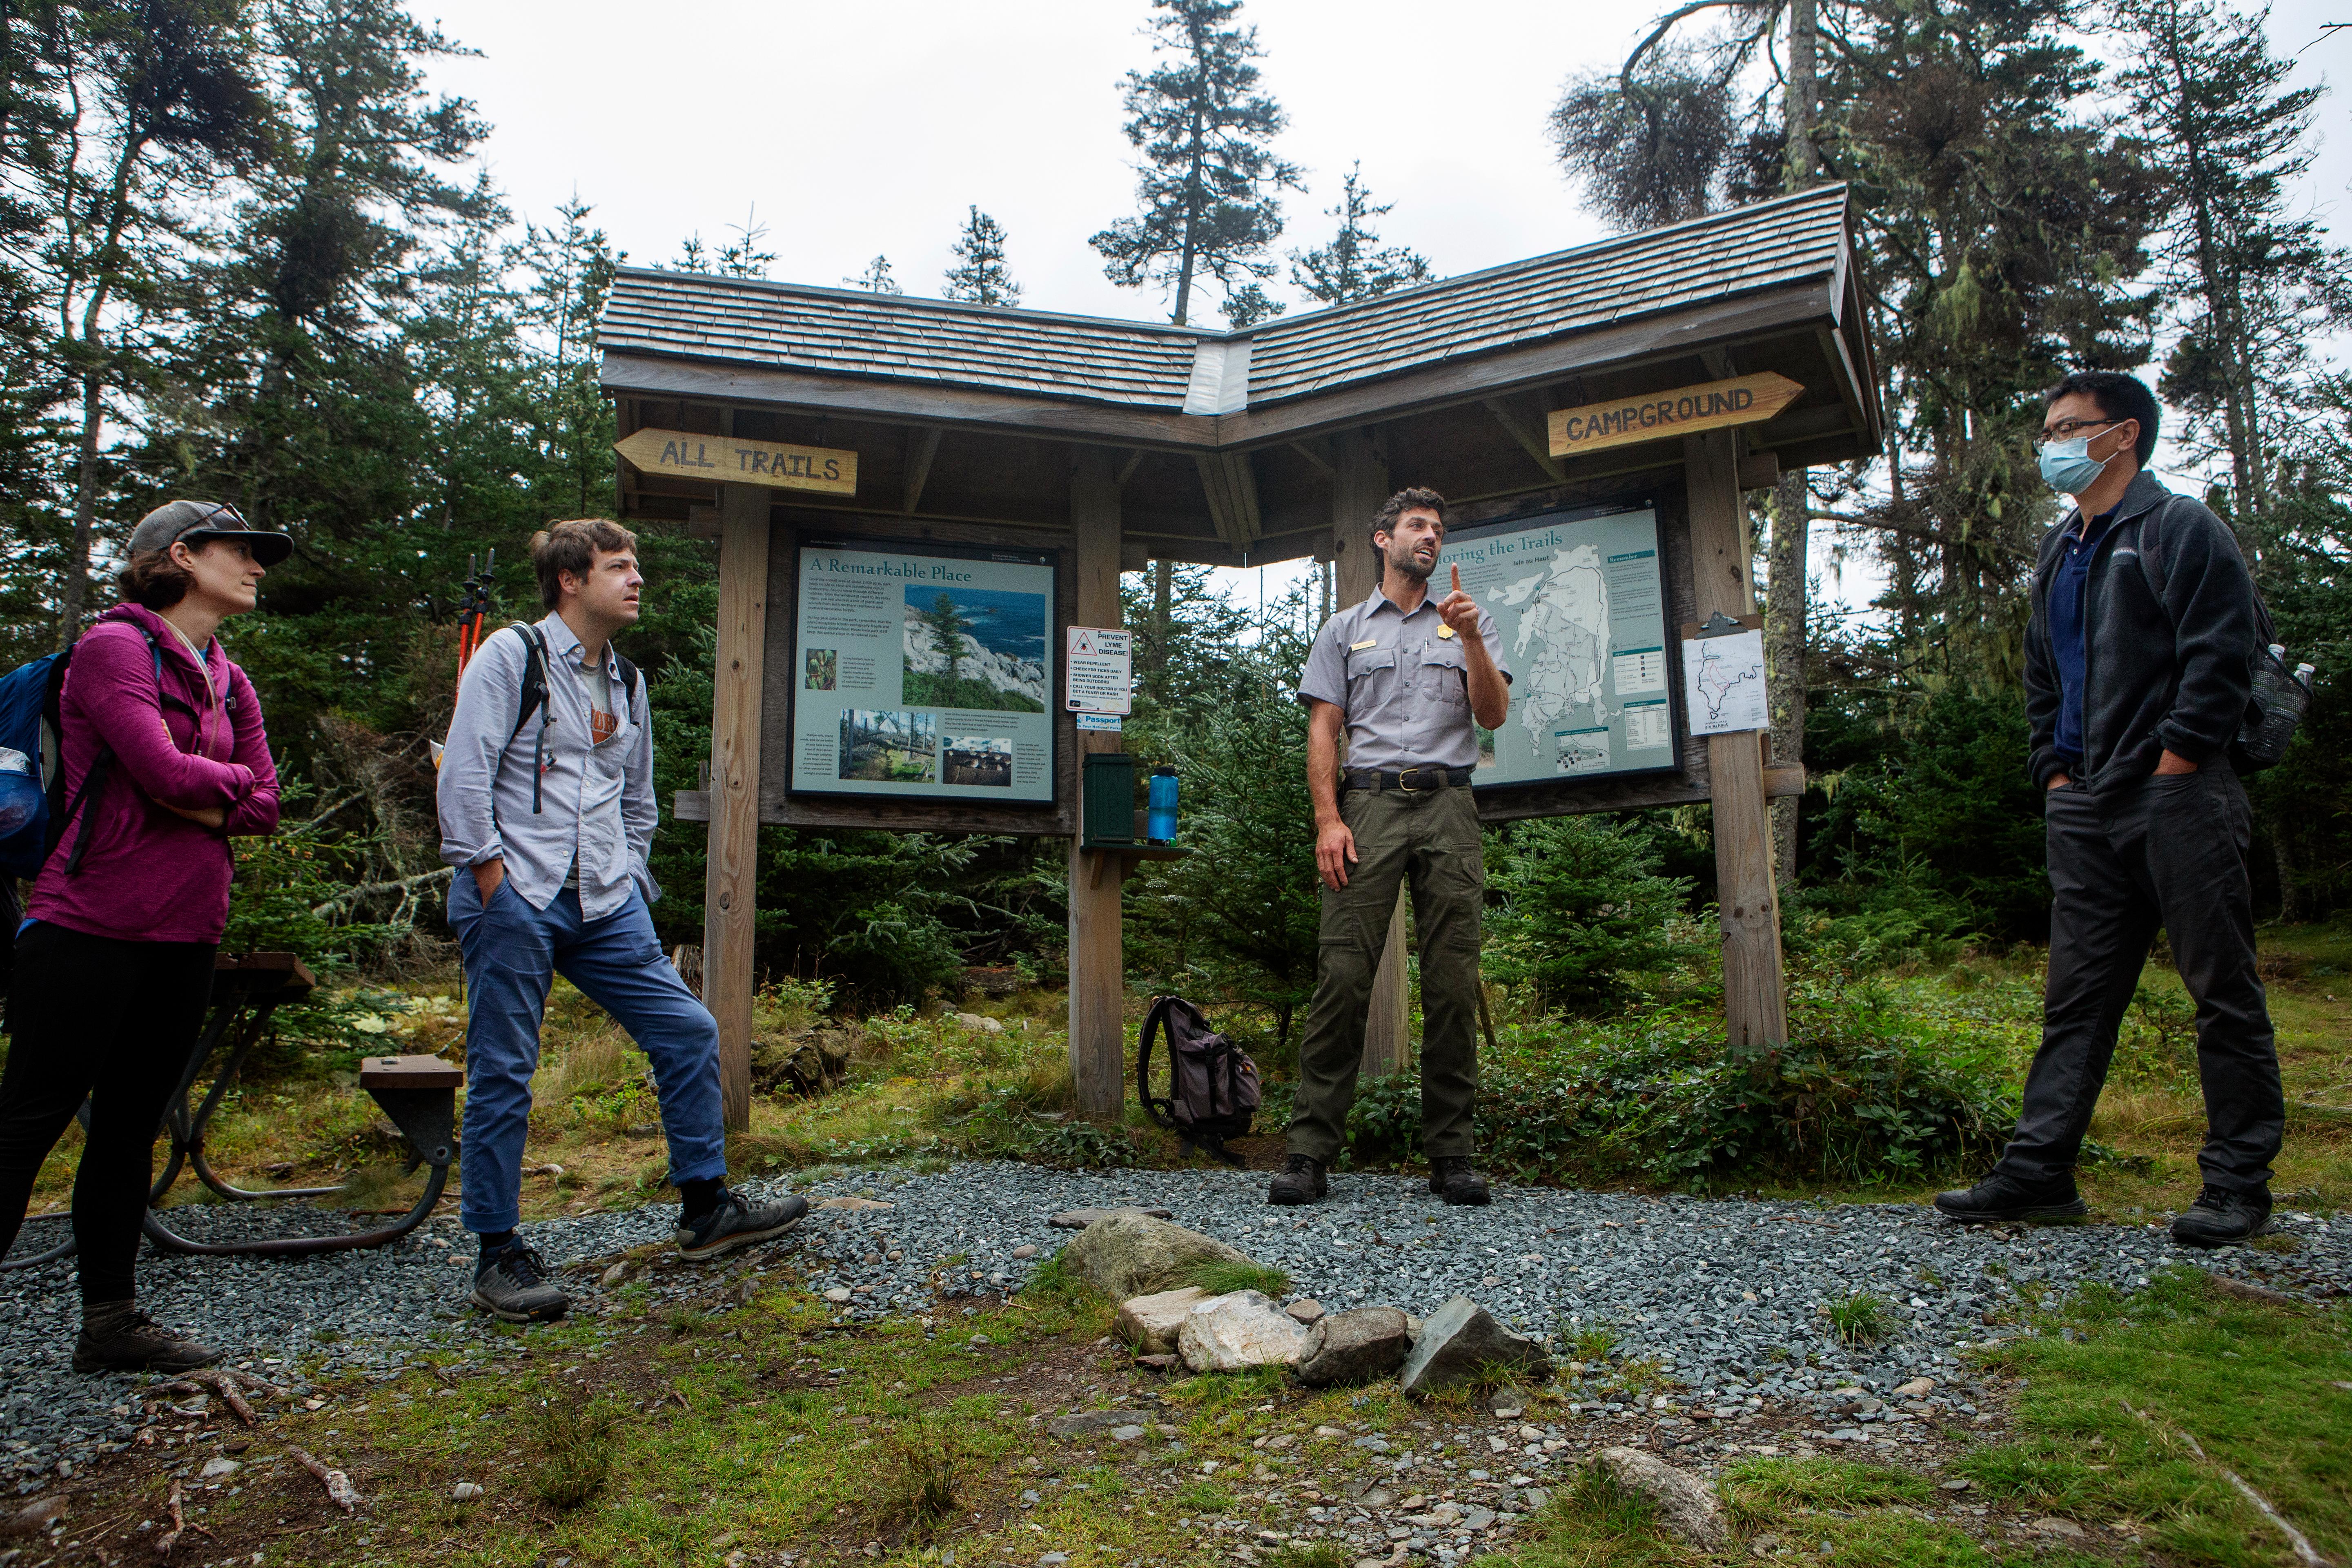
164,761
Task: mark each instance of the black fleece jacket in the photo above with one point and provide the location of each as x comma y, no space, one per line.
2159,673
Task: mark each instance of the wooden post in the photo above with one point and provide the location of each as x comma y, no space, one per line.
1097,972
1755,1004
1359,485
732,878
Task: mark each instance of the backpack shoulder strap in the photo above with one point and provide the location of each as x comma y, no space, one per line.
1160,1110
629,681
2152,569
534,675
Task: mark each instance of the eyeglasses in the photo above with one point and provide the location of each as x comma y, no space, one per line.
2067,429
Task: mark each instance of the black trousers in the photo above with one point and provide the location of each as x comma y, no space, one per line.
89,1015
2167,852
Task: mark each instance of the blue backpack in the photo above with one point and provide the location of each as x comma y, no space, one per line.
34,815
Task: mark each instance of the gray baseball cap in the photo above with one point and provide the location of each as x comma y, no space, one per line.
198,521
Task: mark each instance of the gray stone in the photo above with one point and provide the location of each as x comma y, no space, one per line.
217,1467
1149,1322
1079,1219
1686,1504
1309,1311
1086,1421
1355,1347
1245,1329
1462,1341
1136,1254
1126,1434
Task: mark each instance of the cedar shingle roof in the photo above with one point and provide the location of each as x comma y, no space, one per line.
1140,364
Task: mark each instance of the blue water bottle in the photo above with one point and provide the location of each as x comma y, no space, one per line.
1159,824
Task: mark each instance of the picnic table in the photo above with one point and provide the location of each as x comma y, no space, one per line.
417,1093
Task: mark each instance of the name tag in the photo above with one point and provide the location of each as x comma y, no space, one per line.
1360,646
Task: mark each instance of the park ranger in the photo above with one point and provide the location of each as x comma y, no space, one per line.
1400,677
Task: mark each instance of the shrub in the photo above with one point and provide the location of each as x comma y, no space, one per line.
1217,1277
1851,1097
922,1473
1578,909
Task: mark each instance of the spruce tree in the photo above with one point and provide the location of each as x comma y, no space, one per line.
1208,190
876,278
980,275
2249,286
1353,266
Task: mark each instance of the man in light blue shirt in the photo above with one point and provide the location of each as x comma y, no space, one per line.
546,799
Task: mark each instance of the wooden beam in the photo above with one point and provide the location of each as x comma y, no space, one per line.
1312,451
1097,971
1759,471
731,878
1231,484
1754,1002
1127,469
922,446
1529,438
1360,483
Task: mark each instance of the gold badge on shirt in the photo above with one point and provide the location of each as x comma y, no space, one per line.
1446,631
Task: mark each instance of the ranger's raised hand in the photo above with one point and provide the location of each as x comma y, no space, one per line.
1459,610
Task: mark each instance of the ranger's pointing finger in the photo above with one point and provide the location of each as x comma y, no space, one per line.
1457,576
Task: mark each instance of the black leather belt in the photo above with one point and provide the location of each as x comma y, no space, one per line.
1412,780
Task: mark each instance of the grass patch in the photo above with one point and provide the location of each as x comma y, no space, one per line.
1310,1554
1860,1318
923,1472
572,1463
1219,1277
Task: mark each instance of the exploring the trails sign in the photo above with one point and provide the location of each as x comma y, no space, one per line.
735,461
1684,411
1579,601
922,675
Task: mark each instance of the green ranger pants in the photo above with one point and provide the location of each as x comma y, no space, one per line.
1429,838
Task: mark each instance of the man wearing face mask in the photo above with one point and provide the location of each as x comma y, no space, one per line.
2137,682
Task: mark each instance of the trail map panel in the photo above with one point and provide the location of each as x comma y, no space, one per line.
923,676
1579,603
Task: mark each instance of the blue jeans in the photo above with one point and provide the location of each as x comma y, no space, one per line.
512,954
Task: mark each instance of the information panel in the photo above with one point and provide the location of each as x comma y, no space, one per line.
1579,603
923,675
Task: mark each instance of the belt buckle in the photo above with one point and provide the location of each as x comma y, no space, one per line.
1405,774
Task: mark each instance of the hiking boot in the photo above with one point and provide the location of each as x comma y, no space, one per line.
2223,1217
1302,1181
511,1283
2000,1197
736,1222
116,1336
1452,1178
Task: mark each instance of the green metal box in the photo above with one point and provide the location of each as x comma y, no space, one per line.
1107,801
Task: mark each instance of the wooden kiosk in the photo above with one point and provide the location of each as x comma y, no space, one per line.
1678,368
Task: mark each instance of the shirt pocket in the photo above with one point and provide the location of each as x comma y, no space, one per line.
1371,678
1445,674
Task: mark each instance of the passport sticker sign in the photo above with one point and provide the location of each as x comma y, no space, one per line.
1099,670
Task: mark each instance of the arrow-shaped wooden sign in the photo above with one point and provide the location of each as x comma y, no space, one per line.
1743,400
740,462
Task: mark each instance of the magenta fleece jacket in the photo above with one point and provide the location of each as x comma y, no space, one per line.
149,874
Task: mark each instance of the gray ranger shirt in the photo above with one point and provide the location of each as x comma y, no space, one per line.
1403,691
597,801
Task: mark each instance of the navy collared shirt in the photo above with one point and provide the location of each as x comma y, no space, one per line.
2067,589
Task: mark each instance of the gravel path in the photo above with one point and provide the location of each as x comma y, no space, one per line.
1727,1293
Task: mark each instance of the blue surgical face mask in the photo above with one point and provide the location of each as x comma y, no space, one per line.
2068,466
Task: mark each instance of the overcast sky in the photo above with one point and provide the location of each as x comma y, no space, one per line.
865,128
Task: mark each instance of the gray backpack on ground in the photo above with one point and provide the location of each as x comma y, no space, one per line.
1213,1089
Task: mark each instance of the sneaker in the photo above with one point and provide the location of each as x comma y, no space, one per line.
2000,1197
512,1283
738,1221
2223,1217
1453,1178
116,1336
1302,1181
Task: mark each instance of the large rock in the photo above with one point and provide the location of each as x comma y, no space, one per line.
1133,1255
1686,1505
1226,1333
1355,1347
1462,1341
1149,1322
1079,1219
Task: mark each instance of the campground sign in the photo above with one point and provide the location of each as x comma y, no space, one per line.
1684,411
